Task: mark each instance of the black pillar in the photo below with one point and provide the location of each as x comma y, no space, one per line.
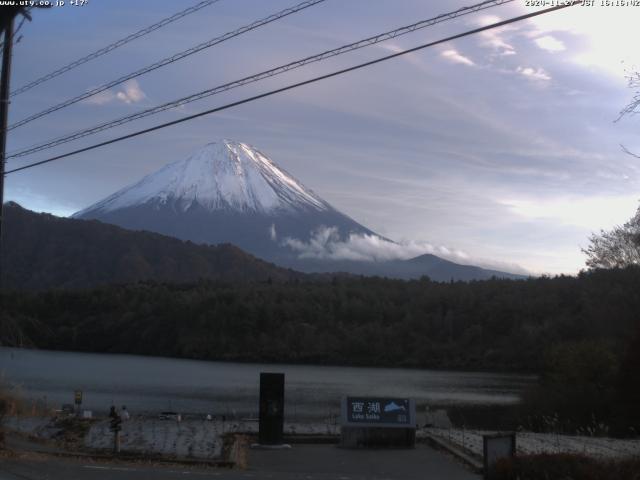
271,408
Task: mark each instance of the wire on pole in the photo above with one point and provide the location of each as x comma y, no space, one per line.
298,84
260,76
167,61
113,46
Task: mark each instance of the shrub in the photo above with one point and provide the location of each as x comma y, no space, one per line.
566,466
3,408
576,391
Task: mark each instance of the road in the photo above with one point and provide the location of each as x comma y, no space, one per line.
308,462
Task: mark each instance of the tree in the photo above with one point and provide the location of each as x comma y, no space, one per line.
576,388
632,107
617,248
633,80
629,384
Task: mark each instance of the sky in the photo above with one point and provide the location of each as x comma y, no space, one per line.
505,147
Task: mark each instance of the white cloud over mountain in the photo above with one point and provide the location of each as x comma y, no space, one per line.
325,243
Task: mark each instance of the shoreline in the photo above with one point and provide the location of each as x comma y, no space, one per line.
529,374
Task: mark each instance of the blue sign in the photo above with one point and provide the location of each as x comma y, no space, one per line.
375,410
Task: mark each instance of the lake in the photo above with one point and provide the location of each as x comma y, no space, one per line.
153,384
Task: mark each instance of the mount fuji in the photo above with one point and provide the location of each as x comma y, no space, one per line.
230,192
226,192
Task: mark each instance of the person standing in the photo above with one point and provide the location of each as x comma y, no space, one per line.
115,427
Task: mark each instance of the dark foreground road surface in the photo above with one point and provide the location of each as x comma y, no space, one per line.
308,462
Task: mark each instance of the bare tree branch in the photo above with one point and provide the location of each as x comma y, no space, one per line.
632,108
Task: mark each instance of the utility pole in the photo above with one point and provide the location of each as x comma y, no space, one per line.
4,115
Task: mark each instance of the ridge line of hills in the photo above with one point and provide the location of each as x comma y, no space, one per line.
41,251
231,192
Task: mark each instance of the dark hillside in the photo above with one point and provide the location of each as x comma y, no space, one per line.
41,251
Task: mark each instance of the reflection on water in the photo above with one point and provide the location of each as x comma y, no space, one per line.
151,384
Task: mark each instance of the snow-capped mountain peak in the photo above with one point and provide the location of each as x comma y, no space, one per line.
229,192
224,175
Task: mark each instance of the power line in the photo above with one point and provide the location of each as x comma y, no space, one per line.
113,46
15,33
260,76
296,85
25,16
169,60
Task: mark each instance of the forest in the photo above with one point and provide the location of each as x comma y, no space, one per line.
495,324
581,334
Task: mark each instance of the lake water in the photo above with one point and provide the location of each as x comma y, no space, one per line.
153,384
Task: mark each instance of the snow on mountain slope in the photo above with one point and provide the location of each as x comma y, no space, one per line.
223,175
229,192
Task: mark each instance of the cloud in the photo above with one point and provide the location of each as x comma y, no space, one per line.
101,98
325,243
593,213
272,232
455,57
550,44
494,38
534,74
600,35
130,93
